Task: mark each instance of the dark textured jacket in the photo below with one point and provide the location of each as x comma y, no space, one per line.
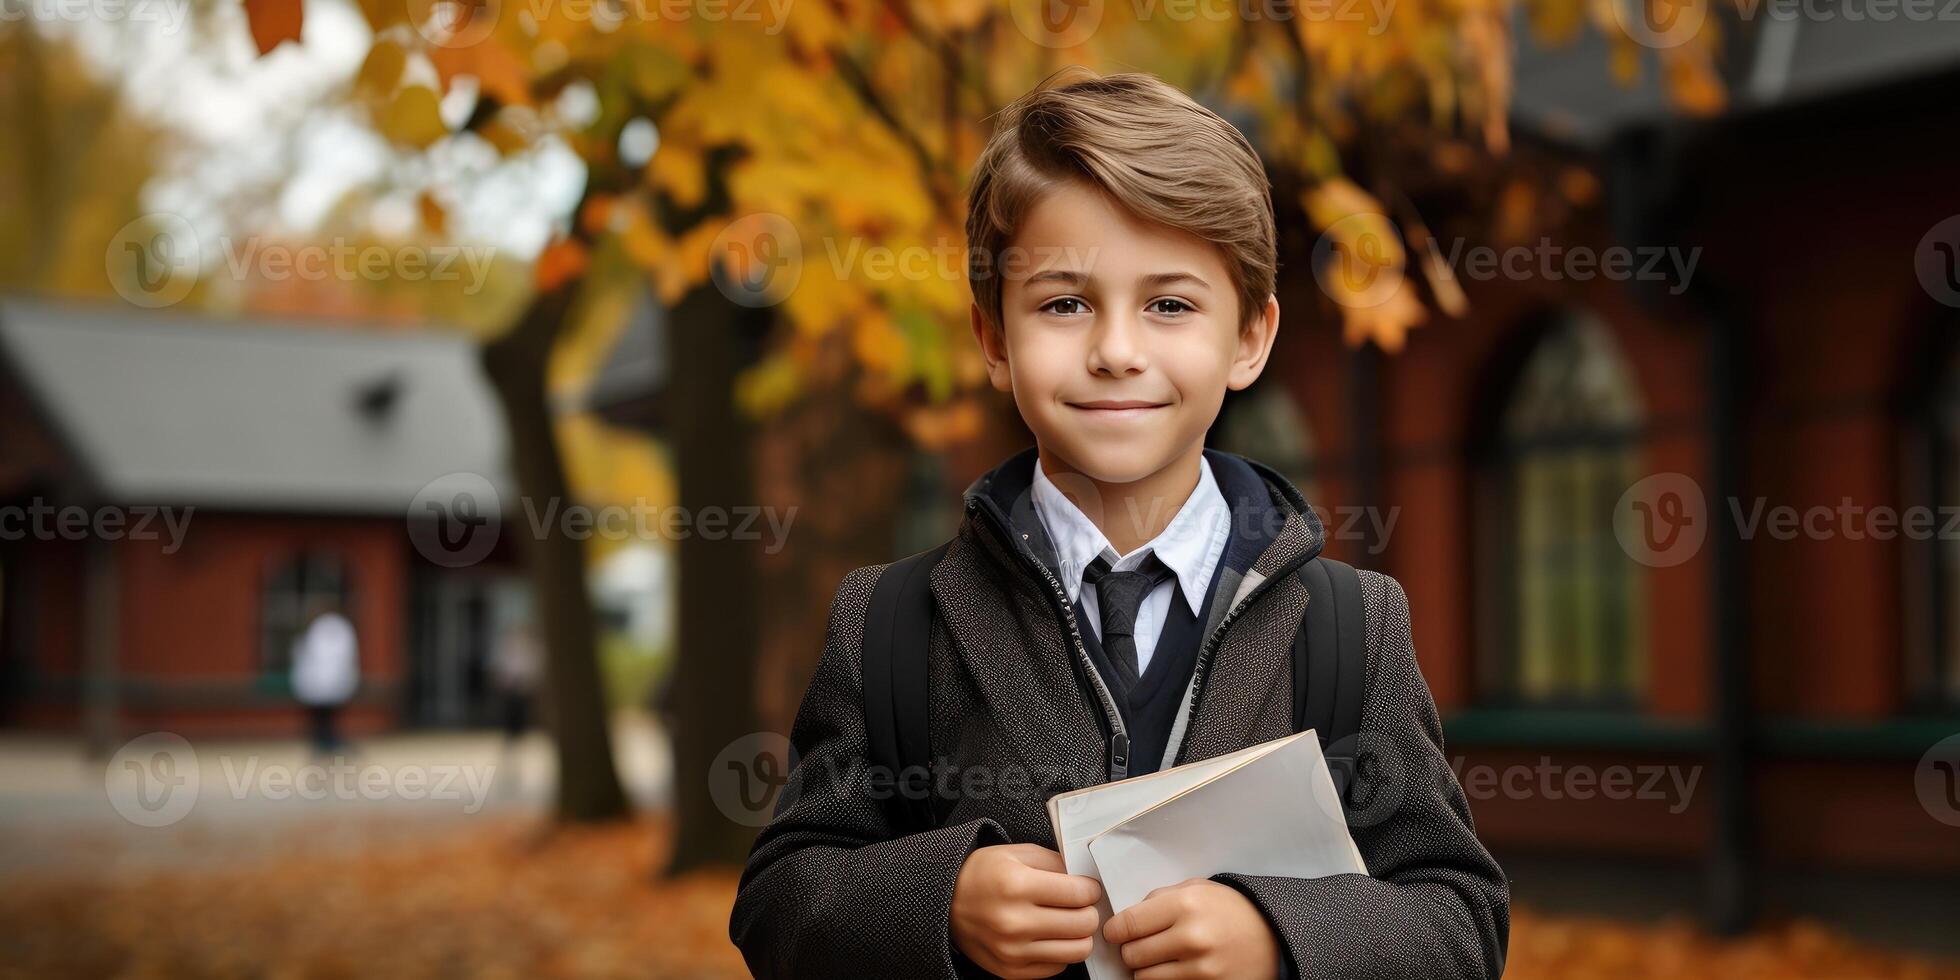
830,890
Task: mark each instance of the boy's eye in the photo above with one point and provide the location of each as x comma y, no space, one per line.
1175,306
1052,306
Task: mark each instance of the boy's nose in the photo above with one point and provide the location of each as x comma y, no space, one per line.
1116,347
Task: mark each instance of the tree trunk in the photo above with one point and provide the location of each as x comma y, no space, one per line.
574,697
711,699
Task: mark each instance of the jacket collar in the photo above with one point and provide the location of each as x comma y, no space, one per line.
1191,544
1272,523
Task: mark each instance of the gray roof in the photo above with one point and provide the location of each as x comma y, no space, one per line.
250,414
1567,91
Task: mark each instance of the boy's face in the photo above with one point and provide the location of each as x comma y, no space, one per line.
1121,336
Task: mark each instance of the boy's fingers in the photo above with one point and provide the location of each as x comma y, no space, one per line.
1145,918
1054,923
1062,890
1040,858
1168,946
1055,950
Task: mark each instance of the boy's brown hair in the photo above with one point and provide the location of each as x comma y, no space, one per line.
1152,148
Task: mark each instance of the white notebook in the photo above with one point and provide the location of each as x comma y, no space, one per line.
1267,809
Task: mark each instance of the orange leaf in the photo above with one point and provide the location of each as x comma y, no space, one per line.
498,70
434,217
274,21
597,215
559,263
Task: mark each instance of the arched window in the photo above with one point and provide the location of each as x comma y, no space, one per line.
295,590
1564,624
1265,423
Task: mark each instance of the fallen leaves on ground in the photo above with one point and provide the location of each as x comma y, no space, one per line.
504,897
498,898
1582,948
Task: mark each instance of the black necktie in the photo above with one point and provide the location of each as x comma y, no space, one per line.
1118,594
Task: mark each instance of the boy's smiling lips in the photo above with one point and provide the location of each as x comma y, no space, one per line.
1106,408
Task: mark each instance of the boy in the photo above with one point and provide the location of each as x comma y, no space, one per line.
1118,600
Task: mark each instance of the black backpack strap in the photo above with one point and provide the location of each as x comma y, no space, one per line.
897,625
1330,662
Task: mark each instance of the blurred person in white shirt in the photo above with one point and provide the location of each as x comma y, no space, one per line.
326,671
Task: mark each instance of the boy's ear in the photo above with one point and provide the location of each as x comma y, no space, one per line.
1255,345
993,346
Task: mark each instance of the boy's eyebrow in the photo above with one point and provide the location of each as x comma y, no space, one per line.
1160,279
1070,277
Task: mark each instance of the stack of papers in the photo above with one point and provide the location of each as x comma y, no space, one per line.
1269,809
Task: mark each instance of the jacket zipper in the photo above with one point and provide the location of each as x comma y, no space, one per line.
1203,666
1119,744
1120,739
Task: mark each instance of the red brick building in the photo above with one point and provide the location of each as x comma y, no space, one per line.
174,493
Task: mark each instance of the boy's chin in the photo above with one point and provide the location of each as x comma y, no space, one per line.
1112,463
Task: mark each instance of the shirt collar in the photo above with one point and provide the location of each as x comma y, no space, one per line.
1190,545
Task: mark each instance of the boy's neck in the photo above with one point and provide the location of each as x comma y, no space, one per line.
1128,514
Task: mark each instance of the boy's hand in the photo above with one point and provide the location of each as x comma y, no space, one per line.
1017,912
1195,928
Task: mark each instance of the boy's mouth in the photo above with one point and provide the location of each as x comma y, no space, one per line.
1118,409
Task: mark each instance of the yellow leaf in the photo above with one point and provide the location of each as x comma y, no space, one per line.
876,342
1387,324
655,71
680,172
768,386
503,136
414,118
643,242
383,14
381,71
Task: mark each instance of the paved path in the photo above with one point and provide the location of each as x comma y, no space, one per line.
162,803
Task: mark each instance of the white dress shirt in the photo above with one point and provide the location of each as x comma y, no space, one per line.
326,661
1191,545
